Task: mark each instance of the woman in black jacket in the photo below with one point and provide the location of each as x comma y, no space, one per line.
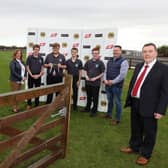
17,73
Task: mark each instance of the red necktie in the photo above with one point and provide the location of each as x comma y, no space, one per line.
138,82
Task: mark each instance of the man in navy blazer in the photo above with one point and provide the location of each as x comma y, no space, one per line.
148,98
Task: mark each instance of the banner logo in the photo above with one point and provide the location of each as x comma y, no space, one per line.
64,45
109,46
88,35
76,36
53,34
110,35
42,34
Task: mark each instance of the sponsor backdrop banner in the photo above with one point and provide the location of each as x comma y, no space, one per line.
84,40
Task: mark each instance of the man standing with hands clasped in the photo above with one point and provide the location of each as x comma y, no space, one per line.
94,70
148,98
74,68
35,69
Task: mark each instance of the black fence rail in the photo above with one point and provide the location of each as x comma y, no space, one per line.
135,60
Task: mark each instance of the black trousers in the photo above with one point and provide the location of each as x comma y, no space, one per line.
92,96
33,83
75,91
143,131
52,80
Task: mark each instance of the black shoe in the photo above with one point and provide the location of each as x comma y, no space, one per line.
75,108
93,115
84,110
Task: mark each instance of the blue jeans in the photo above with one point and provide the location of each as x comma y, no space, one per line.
114,96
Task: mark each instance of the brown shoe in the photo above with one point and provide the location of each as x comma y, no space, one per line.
28,107
142,160
107,117
114,122
15,110
127,150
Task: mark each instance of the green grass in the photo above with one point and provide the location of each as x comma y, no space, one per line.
93,142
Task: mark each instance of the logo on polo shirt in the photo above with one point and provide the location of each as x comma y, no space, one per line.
97,65
60,60
40,61
76,65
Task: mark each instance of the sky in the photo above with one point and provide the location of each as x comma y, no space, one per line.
138,21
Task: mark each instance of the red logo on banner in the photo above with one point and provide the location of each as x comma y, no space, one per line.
75,45
109,46
42,44
65,54
88,35
82,98
30,53
53,35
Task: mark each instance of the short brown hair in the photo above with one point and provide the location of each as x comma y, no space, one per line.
96,49
118,46
150,44
15,52
76,49
55,45
36,46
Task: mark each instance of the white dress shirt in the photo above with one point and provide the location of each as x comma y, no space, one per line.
22,68
150,65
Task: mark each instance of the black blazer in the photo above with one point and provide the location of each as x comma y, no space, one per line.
154,90
15,71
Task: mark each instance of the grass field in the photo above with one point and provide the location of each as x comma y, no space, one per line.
94,143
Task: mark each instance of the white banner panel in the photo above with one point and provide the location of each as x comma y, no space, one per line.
84,40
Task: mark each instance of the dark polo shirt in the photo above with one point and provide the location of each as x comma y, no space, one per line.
94,68
35,64
73,68
60,59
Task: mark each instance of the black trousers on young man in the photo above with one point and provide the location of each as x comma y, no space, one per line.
75,91
31,83
52,80
92,96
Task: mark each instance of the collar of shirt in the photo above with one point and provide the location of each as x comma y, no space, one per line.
150,65
18,60
55,55
73,59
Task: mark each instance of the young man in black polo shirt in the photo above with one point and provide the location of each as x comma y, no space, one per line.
94,70
55,63
35,69
74,67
